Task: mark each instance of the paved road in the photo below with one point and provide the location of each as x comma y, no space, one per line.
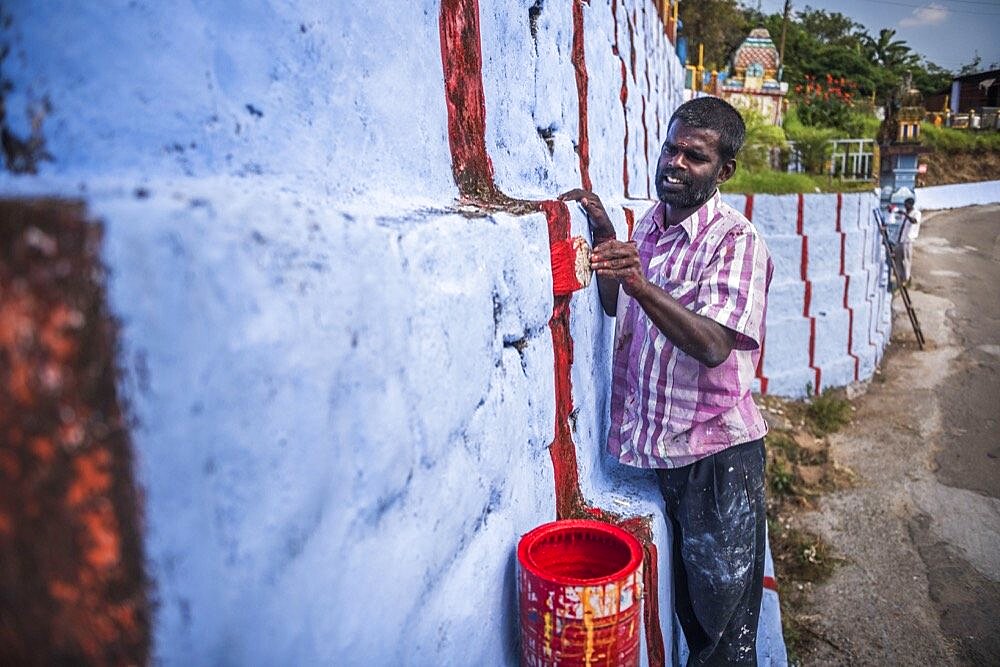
960,259
920,531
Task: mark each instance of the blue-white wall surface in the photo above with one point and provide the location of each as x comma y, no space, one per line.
342,383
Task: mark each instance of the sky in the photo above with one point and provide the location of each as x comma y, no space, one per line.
945,32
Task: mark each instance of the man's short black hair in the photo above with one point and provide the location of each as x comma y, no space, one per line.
712,113
909,200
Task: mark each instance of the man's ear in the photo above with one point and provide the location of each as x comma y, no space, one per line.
726,171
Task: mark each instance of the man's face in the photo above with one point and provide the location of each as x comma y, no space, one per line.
909,205
690,167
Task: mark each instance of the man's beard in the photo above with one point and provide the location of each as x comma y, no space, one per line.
695,192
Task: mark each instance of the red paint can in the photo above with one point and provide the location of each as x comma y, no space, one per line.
580,591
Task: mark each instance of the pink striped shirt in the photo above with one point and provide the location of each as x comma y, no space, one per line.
668,409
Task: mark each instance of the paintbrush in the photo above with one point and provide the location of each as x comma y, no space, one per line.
570,265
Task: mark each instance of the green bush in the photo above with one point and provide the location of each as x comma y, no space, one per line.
948,140
761,138
861,125
814,146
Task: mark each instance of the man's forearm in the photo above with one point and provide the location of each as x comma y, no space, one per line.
606,287
696,335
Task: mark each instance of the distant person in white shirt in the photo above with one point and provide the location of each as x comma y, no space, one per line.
909,231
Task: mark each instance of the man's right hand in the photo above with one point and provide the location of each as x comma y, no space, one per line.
600,224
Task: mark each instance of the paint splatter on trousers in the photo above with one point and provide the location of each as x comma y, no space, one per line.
715,508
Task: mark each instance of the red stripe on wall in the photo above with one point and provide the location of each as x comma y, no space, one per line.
462,58
562,450
807,295
847,286
624,98
759,372
580,65
868,271
461,55
645,145
645,127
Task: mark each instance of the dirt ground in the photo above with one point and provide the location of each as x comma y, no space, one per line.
917,533
960,167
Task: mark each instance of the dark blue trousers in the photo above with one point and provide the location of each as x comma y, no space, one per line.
715,507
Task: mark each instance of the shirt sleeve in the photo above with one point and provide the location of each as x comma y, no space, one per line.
733,287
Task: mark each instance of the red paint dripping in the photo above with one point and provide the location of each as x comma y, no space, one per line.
462,58
770,584
629,220
651,610
562,450
580,65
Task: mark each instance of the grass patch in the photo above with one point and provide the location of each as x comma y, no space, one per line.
780,479
799,470
828,412
801,559
799,555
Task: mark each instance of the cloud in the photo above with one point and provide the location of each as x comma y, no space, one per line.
932,14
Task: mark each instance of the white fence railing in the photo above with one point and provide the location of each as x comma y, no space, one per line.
848,159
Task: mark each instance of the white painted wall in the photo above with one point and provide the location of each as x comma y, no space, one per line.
343,389
957,195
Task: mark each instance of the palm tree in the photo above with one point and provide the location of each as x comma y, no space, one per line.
892,57
892,54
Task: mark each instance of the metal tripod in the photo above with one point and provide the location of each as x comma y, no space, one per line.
890,251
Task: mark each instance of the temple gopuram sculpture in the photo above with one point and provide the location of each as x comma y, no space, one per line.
755,80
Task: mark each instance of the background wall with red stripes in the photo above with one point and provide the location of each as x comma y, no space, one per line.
829,312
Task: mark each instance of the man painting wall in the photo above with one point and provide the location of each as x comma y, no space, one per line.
689,292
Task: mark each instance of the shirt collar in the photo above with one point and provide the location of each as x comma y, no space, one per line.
694,222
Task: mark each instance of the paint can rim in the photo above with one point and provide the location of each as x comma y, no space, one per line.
555,529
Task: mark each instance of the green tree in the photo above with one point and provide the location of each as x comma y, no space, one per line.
929,78
831,27
892,58
889,53
721,25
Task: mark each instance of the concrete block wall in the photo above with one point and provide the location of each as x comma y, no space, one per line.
352,388
829,313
